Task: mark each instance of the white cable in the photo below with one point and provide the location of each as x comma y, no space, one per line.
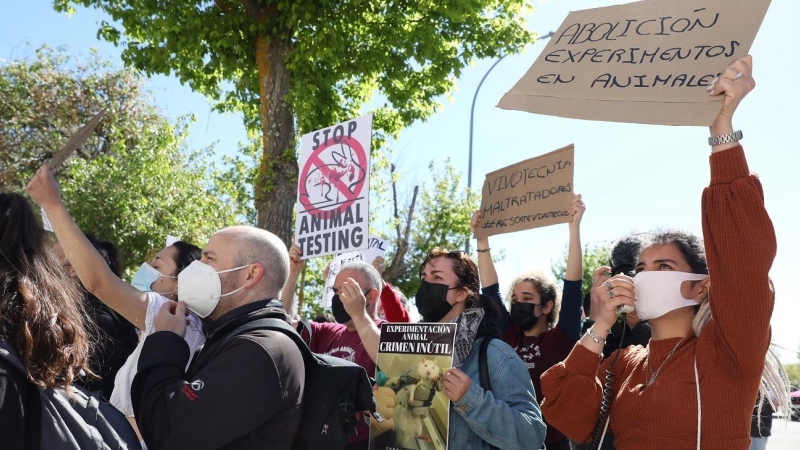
699,407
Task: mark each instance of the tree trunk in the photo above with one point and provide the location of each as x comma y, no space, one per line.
276,187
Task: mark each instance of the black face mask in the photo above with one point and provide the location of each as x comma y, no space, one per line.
338,310
432,301
523,315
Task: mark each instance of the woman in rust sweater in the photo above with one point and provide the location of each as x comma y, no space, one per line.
687,389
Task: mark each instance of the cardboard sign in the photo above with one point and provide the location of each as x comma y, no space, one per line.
333,270
644,62
533,193
412,361
333,189
76,141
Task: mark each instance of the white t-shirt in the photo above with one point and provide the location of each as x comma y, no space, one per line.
121,396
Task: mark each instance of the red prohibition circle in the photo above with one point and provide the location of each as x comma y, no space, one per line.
333,175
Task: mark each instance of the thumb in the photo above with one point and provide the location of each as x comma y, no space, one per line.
180,310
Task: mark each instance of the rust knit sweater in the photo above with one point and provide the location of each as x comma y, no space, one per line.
740,247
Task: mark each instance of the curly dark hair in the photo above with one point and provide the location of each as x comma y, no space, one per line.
41,312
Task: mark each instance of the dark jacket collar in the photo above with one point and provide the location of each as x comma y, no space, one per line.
243,314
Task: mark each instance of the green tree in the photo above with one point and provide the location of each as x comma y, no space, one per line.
297,66
593,257
136,180
441,219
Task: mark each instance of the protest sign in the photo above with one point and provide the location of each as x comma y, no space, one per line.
333,269
172,239
333,189
412,361
76,141
46,221
376,249
533,193
643,62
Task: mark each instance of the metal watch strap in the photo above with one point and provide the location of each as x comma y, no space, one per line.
725,138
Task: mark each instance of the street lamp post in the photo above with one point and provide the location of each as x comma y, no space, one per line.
472,121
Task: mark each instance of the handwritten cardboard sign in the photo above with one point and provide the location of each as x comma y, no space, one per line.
533,193
333,189
643,62
76,141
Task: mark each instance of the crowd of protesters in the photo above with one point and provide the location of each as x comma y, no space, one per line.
682,367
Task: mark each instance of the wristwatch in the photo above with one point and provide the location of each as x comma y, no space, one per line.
725,138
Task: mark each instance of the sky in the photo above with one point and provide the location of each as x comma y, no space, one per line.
633,177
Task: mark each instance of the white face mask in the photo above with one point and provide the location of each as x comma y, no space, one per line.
200,287
145,276
659,292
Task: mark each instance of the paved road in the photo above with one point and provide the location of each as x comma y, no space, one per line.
785,435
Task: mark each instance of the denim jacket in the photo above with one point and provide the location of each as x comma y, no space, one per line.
508,417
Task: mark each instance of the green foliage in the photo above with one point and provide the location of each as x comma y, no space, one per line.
593,258
341,52
793,370
135,181
441,219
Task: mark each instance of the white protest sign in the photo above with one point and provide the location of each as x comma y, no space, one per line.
171,240
333,189
377,248
333,269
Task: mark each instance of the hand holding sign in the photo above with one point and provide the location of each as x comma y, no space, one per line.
736,81
296,261
44,188
578,208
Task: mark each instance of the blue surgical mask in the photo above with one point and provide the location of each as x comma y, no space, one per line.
145,276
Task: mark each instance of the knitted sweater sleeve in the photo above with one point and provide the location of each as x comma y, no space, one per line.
740,247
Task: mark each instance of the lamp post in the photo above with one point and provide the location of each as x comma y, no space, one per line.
472,120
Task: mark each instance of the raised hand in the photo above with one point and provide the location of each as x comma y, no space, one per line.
44,188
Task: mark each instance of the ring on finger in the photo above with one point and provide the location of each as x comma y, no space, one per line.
611,292
737,76
609,286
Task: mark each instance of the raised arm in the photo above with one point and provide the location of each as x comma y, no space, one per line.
569,318
486,268
89,265
737,228
295,267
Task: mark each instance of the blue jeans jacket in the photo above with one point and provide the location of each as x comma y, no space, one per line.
508,417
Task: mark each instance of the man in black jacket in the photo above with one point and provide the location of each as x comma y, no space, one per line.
240,393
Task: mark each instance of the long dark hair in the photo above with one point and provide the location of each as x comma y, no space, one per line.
41,312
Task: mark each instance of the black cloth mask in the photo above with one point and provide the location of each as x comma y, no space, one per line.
431,301
338,310
523,315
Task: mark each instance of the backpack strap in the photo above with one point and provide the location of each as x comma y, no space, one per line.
274,325
483,366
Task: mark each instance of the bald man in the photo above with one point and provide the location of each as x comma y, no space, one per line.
245,392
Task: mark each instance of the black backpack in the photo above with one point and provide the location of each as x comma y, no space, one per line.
335,390
79,420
